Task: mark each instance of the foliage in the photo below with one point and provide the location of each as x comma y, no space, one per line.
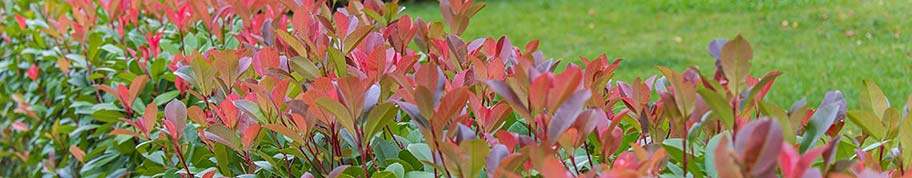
305,89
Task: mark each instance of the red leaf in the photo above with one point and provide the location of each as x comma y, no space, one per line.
795,165
197,115
32,72
726,160
172,130
553,168
123,94
455,101
507,139
565,85
249,135
352,91
211,174
265,59
19,126
123,132
77,152
21,21
228,112
149,118
611,141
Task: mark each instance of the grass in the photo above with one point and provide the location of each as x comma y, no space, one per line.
814,51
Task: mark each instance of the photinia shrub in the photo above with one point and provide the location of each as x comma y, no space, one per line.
317,88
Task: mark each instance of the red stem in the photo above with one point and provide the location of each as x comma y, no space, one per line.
440,153
180,155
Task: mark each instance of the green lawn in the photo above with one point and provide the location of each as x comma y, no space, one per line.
815,55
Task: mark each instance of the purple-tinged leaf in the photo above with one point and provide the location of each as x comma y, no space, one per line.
267,33
797,106
297,107
566,114
504,90
835,97
336,172
715,47
371,97
829,152
244,64
464,133
492,162
457,48
413,112
759,143
176,112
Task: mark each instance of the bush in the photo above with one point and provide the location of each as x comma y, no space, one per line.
288,89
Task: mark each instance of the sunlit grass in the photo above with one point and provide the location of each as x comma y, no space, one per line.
818,45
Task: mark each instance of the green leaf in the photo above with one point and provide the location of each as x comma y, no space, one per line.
408,157
396,169
675,148
869,123
250,108
378,117
338,62
905,139
291,41
354,38
343,116
95,40
818,124
384,150
305,68
165,97
190,43
205,73
720,107
419,174
710,155
110,48
272,162
224,136
384,174
873,99
108,116
776,112
478,149
421,151
892,120
223,155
